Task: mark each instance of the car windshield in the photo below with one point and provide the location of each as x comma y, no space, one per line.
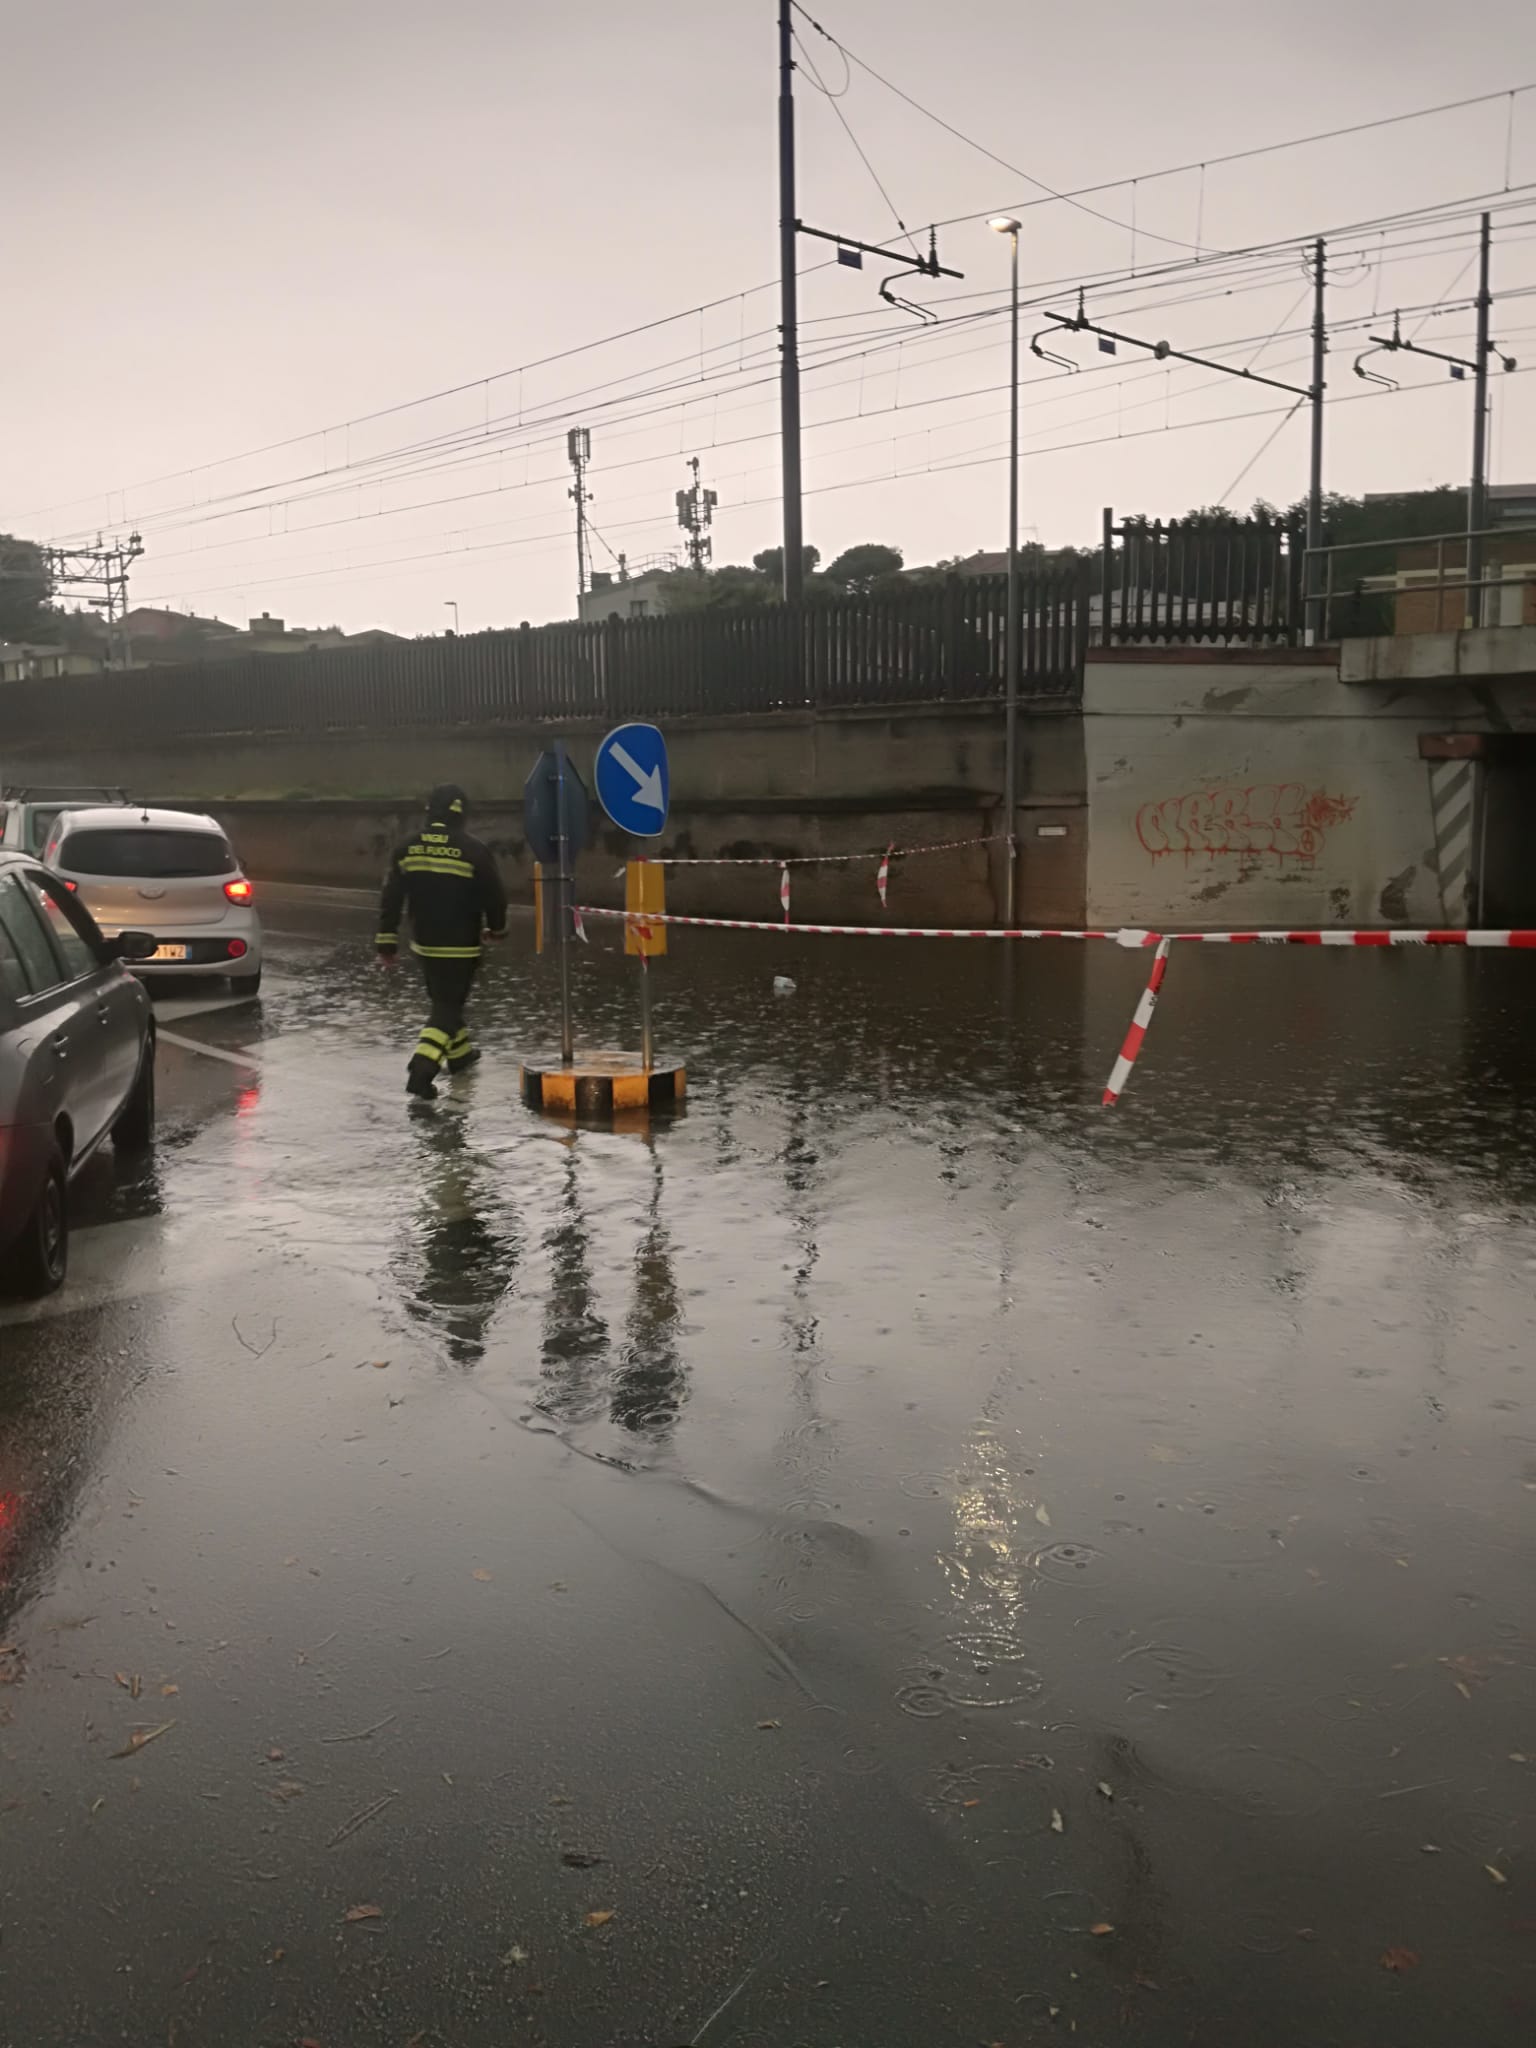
146,850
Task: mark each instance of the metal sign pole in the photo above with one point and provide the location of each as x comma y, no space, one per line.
563,836
647,1050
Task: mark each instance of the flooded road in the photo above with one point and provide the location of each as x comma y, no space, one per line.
892,1557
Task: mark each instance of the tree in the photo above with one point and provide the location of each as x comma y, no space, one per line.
770,563
859,570
26,591
731,587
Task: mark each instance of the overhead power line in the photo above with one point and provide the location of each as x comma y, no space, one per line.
1068,198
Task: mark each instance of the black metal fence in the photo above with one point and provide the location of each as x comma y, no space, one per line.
936,642
1193,580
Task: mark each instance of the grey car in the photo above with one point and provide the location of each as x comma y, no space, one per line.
77,1062
27,815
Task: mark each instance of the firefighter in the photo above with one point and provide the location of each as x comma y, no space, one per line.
447,880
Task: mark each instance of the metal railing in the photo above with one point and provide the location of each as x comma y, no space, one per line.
1193,580
938,642
1371,601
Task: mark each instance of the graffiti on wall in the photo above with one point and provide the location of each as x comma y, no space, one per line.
1282,821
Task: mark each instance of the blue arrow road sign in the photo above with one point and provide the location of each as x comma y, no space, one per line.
633,784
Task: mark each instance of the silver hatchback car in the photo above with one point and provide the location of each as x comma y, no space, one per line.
174,870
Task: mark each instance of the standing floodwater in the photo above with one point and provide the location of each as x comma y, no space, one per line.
895,1556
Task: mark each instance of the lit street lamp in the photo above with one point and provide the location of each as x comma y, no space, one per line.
1005,224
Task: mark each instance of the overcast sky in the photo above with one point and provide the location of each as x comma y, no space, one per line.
228,226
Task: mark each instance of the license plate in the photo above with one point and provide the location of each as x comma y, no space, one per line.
169,953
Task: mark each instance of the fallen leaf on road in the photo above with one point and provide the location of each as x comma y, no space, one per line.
309,2041
363,1913
1464,1689
601,1918
1399,1960
516,1956
579,1859
1518,1756
141,1736
1058,1825
770,1724
286,1789
378,1364
1102,1927
970,1802
480,1573
123,1680
274,1756
1495,1873
1430,1848
1106,1791
1042,1515
169,1692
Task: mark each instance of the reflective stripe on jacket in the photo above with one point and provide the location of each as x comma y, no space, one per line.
446,881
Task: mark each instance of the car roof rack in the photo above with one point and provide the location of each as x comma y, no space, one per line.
42,793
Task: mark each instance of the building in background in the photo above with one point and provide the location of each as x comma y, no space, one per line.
633,591
1428,602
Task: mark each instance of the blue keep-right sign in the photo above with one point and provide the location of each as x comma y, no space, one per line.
633,782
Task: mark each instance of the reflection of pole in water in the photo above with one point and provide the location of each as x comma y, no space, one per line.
575,1335
799,1160
649,1385
456,1269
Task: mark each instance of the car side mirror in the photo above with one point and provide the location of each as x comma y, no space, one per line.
132,945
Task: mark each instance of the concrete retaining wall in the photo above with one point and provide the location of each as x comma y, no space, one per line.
327,810
1257,789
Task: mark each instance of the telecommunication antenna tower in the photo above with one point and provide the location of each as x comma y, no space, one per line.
695,515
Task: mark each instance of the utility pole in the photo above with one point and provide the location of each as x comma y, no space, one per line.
1473,610
851,253
695,515
578,445
1477,496
1316,623
789,317
105,569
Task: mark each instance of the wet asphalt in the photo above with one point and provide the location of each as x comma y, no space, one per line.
893,1554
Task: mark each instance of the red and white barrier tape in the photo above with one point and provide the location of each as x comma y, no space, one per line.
883,874
809,860
1120,1073
851,931
1129,936
1390,938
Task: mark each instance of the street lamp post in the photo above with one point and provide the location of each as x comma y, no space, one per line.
451,604
1005,224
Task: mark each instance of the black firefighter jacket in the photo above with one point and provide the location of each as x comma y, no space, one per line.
447,880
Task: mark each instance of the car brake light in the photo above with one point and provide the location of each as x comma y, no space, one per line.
239,892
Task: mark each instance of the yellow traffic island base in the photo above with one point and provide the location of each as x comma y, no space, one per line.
601,1086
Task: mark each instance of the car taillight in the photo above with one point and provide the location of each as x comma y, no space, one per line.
70,886
239,892
236,949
